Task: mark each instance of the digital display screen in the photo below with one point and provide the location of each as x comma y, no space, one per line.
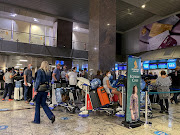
171,60
153,66
116,66
171,65
146,62
162,61
59,62
153,61
163,65
120,67
146,66
124,67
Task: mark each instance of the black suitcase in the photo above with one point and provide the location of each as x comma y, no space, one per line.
94,99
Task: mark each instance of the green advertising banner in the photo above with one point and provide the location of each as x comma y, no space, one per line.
133,89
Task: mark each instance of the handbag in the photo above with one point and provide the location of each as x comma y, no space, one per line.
43,87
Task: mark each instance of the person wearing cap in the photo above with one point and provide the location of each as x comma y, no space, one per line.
56,76
8,78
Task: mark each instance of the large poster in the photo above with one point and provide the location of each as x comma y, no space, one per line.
133,89
161,34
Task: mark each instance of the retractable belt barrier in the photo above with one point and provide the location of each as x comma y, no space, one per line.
150,93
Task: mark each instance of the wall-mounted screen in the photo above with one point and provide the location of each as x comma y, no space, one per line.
162,65
171,65
153,66
145,66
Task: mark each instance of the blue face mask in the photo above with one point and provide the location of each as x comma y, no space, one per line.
30,67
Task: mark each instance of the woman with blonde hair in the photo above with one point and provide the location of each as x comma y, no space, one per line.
41,87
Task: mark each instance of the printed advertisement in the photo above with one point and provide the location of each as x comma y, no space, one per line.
161,34
133,89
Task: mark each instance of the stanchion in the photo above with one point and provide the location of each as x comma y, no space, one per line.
84,110
146,108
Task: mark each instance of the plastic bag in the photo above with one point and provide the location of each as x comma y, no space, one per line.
95,83
58,95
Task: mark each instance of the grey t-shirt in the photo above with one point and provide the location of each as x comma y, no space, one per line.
105,84
7,77
28,74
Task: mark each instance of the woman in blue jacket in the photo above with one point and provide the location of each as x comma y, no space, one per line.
41,86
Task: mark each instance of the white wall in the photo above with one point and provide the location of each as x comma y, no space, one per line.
80,41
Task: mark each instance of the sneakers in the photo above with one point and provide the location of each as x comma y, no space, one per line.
10,99
53,119
3,99
118,109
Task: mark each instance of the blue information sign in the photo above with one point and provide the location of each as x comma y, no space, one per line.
171,65
153,66
162,65
145,66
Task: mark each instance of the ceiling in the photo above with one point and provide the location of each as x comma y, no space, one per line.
129,12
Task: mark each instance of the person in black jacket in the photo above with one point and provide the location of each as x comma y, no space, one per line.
175,77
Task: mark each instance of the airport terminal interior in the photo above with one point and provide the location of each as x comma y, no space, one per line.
90,67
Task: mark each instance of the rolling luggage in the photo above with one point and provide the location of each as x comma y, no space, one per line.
94,99
18,93
103,96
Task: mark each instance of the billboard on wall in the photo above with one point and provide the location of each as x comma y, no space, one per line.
133,89
161,34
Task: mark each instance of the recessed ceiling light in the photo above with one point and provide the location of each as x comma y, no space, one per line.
35,19
23,60
108,24
19,64
13,15
143,6
95,48
76,28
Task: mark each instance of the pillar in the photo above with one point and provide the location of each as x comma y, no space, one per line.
64,34
102,35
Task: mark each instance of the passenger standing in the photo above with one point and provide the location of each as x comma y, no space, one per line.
8,78
56,76
72,76
41,86
99,76
28,84
175,77
63,74
85,73
163,82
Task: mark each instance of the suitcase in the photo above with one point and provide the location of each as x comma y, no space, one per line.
94,99
18,93
115,98
103,96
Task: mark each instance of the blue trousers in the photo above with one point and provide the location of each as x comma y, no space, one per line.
25,92
8,88
41,100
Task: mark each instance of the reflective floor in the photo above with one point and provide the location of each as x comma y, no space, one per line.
19,115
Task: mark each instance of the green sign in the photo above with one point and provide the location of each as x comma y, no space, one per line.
133,89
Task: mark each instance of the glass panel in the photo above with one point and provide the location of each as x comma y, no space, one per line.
37,29
5,34
20,26
79,45
37,39
21,37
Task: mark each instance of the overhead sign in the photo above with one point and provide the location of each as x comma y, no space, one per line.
152,66
171,65
133,89
162,66
145,66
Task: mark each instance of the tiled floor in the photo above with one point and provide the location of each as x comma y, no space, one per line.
19,117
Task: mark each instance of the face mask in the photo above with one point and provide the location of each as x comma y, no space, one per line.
30,67
109,75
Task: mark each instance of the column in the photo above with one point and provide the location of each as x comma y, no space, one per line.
102,35
64,34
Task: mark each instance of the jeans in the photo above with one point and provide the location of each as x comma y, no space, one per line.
27,93
175,94
162,106
41,100
8,87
